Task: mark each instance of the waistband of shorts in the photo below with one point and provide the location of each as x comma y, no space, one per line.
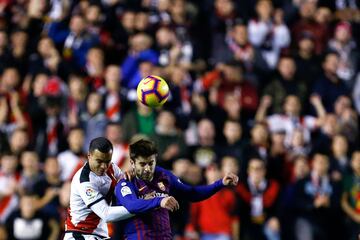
91,234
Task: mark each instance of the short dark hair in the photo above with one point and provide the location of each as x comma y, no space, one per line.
143,148
102,144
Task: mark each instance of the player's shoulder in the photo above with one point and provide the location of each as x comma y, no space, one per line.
162,173
83,174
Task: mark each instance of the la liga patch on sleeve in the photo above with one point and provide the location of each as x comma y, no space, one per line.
125,191
90,193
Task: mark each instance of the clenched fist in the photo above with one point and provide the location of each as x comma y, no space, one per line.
230,179
169,203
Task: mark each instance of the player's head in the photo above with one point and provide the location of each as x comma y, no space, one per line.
100,153
143,155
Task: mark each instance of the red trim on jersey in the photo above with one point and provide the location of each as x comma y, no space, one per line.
86,226
110,173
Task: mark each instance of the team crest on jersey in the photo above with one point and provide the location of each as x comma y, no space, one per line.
161,186
90,192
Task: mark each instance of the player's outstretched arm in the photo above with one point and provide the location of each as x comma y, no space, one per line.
199,193
126,196
96,202
110,213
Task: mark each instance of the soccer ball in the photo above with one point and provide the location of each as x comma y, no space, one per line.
153,91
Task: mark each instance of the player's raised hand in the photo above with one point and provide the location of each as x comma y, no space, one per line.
169,203
230,179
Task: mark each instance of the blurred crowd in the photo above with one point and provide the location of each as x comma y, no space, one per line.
269,90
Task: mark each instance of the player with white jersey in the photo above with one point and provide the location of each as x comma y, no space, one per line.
92,189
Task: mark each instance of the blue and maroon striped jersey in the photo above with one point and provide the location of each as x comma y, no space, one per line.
143,199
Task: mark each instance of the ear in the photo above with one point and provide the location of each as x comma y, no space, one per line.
132,163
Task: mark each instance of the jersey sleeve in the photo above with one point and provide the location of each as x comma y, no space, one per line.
117,171
125,193
90,193
192,193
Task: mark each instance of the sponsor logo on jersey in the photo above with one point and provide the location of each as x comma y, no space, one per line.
153,195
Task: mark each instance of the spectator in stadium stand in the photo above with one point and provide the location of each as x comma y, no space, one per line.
237,47
64,200
76,100
172,51
297,144
328,85
152,181
258,147
223,14
291,118
339,158
19,141
28,223
19,51
221,206
344,45
180,84
350,198
47,189
47,59
234,111
50,135
276,161
228,77
347,119
114,132
95,68
121,27
307,63
139,51
12,98
329,129
205,151
9,181
94,120
74,40
317,204
298,169
234,141
268,32
30,173
113,94
170,140
203,107
307,23
139,120
285,83
73,158
258,203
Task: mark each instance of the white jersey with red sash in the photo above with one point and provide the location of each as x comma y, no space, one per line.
87,188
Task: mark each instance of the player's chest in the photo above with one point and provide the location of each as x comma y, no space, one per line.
154,189
104,184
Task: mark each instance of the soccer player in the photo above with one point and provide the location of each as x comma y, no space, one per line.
92,188
150,182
